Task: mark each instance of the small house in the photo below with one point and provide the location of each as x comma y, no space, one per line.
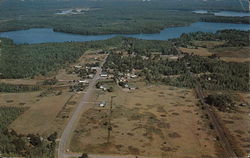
102,104
83,81
78,66
133,76
91,75
94,68
104,75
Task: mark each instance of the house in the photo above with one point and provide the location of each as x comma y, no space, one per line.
83,81
122,79
103,88
94,68
126,85
91,75
102,104
133,76
104,75
78,66
132,87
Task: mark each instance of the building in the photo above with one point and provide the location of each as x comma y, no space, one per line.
83,81
91,75
78,66
103,88
102,104
104,75
133,76
94,68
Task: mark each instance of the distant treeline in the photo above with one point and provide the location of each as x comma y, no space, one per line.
232,38
221,19
11,88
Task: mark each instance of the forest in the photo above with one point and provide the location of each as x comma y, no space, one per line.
219,19
23,61
233,38
11,88
109,16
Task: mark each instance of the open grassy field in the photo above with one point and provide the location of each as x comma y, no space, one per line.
40,115
150,121
199,51
229,54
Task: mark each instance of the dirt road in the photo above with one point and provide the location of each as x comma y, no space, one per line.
70,127
223,138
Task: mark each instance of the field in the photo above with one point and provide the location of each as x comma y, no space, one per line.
150,121
228,54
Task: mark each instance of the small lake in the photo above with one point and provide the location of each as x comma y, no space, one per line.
224,13
45,35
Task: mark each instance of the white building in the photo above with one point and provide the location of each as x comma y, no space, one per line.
83,81
102,104
78,66
104,75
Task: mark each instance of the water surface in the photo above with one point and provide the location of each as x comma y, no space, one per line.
44,35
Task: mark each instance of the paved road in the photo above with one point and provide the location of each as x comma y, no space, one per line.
70,127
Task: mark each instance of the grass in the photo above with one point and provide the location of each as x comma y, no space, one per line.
142,124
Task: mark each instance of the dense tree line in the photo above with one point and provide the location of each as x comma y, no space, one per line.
4,87
147,47
224,102
20,61
232,38
221,19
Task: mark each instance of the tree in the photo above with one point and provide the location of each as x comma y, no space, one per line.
84,155
52,137
111,89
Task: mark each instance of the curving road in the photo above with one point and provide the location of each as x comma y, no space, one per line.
72,123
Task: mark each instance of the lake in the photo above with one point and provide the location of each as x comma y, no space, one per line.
44,35
224,13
